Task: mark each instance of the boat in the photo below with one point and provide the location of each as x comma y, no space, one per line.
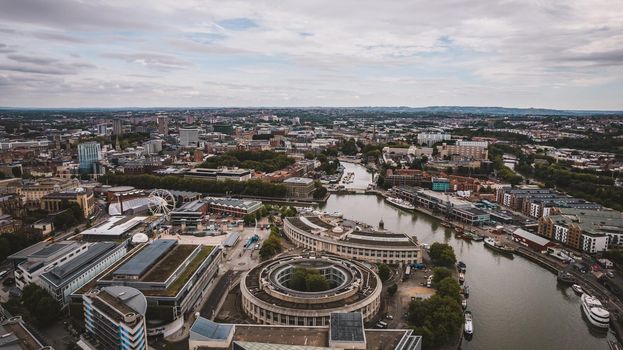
400,203
498,247
594,311
565,277
461,277
446,224
577,289
465,291
469,327
461,266
464,303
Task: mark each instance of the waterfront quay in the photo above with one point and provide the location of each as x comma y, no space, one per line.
536,311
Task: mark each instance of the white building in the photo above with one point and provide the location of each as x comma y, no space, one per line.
431,138
189,137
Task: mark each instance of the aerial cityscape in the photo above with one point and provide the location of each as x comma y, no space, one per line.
194,175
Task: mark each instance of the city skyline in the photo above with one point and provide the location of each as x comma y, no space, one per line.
206,54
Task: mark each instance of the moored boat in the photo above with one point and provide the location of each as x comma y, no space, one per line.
463,303
577,289
594,311
469,326
565,277
461,266
465,291
461,277
498,247
400,203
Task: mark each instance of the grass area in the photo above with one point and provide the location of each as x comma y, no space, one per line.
175,287
162,270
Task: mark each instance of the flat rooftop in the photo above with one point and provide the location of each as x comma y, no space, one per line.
115,226
146,258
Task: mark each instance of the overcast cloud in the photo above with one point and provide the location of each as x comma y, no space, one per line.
564,54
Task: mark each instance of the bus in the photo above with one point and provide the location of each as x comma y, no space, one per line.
408,271
381,324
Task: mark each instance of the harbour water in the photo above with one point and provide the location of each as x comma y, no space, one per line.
516,303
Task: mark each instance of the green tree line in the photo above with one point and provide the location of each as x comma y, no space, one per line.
248,188
267,161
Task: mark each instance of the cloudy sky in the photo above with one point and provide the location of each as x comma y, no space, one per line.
527,53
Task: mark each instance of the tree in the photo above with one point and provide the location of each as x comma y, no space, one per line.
439,274
438,318
319,191
349,148
442,254
42,309
384,272
316,283
392,289
449,287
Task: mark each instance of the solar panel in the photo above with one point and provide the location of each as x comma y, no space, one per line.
142,261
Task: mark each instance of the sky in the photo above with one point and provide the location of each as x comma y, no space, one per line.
565,54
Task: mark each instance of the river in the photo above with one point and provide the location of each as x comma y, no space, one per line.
516,303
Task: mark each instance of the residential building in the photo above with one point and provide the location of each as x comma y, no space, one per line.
117,127
591,231
462,152
440,184
152,147
431,138
300,187
89,154
406,177
115,316
163,125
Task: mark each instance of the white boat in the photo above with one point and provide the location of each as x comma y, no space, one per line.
400,203
461,277
464,303
578,289
469,327
595,312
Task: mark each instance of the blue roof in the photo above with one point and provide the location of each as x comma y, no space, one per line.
146,258
211,330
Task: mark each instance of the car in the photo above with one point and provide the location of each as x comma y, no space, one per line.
610,274
389,317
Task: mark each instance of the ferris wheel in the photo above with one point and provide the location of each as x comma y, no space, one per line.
161,202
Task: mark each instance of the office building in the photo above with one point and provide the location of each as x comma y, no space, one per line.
351,240
173,277
220,174
57,201
61,281
115,316
32,191
89,154
300,187
16,335
102,129
345,330
189,137
152,147
462,152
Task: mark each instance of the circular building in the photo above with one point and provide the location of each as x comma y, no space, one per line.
270,294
